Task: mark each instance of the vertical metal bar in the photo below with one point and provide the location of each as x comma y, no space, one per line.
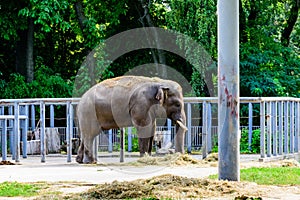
297,128
122,144
168,136
204,129
280,128
11,133
96,144
69,133
274,127
42,132
24,134
262,130
189,126
110,142
17,131
4,140
129,129
52,116
269,128
32,117
208,128
286,127
292,127
250,124
298,132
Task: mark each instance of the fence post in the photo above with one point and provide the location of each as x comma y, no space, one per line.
4,140
17,132
189,126
262,130
24,133
292,127
69,130
52,116
122,144
204,129
274,127
208,128
269,128
250,124
286,129
168,136
297,141
42,132
129,129
32,117
3,124
280,131
11,133
110,142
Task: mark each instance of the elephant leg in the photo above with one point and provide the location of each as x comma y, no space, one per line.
89,130
79,157
143,147
150,144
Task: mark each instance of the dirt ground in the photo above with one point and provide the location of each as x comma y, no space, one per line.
170,186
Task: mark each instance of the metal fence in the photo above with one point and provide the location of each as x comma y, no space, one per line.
277,118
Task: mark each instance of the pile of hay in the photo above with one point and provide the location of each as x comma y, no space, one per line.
169,160
171,186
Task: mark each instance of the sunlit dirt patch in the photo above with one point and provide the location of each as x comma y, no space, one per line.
171,186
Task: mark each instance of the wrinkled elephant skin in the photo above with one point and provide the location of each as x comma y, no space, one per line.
129,101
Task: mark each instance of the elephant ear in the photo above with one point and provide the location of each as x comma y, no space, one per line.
161,94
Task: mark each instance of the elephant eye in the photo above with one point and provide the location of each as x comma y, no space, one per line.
178,105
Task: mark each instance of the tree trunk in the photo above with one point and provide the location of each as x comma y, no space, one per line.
90,60
160,52
291,21
29,52
20,53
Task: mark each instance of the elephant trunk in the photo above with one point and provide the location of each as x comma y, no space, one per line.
180,133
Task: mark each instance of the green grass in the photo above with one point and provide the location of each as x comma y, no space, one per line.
270,176
13,189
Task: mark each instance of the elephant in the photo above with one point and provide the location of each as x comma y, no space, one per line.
129,101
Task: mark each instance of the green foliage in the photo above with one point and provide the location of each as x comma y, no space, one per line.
46,85
255,144
270,175
14,189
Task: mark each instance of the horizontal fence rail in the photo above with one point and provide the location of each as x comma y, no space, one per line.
278,119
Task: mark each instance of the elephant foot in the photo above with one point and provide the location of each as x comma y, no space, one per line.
79,159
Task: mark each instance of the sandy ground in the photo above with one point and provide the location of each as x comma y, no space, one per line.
69,178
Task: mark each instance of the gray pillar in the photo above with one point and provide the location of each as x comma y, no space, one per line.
52,116
42,132
69,130
262,129
250,124
280,128
4,140
129,139
122,144
32,117
24,132
110,142
269,128
204,129
228,90
292,128
208,128
17,132
286,127
189,127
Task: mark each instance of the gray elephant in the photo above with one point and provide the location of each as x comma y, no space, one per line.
129,101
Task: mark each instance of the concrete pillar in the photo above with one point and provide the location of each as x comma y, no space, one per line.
228,90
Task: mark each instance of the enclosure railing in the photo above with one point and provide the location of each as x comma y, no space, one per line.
278,118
